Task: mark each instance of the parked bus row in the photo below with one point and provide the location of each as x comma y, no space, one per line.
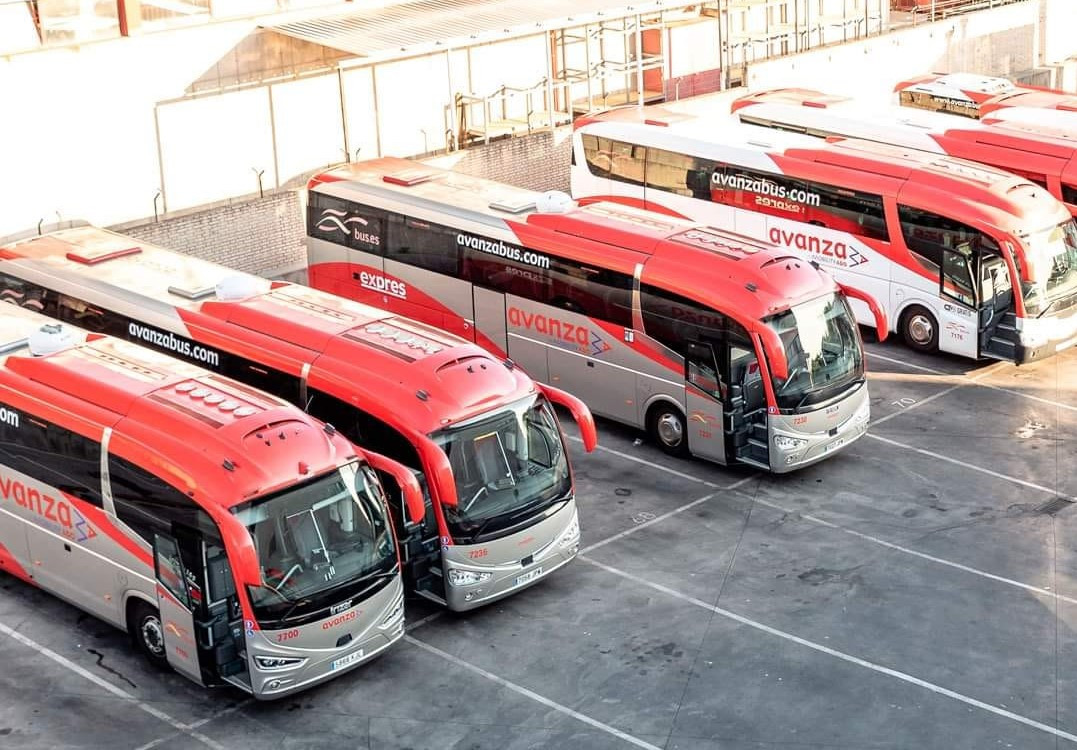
247,475
487,505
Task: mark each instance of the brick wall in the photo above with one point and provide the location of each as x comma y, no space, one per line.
260,235
536,162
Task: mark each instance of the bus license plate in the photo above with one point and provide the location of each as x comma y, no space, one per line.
529,576
346,660
834,446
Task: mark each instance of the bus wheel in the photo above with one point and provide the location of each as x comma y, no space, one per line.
920,329
666,427
148,632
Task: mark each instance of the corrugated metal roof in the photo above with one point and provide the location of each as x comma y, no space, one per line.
430,25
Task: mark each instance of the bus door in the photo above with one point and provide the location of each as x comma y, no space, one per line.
958,323
175,607
420,544
200,615
998,323
490,317
704,393
746,430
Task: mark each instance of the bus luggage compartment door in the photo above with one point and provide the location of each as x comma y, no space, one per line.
175,608
490,319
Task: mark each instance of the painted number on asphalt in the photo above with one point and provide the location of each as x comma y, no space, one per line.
904,402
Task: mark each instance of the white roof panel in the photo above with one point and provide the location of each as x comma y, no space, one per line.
422,26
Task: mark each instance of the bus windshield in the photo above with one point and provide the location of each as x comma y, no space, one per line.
1052,256
508,468
318,544
822,348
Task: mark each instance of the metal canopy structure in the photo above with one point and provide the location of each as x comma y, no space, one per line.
424,26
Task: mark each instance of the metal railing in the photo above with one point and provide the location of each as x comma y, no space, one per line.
921,11
511,111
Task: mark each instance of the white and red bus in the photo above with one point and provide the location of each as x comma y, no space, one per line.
715,344
234,537
954,93
1032,99
1045,155
482,437
937,239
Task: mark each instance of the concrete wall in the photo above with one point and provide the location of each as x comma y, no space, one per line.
998,42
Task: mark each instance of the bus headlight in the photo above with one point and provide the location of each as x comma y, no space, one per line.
571,535
393,614
278,662
459,577
788,442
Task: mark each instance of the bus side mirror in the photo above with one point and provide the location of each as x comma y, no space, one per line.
580,413
405,479
882,325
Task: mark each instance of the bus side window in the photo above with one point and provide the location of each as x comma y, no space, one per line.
672,320
84,315
853,211
628,163
53,455
957,275
147,504
31,296
423,245
362,428
701,370
1069,194
598,153
255,374
927,235
679,173
598,292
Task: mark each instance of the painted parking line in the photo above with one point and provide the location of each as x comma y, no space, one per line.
972,467
663,517
652,464
1039,590
852,532
521,690
977,377
878,668
196,724
106,685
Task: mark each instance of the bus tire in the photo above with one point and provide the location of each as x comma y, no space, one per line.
667,427
147,631
920,329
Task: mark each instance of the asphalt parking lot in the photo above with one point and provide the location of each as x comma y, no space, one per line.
915,591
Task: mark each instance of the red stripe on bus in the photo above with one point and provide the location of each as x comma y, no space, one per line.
9,564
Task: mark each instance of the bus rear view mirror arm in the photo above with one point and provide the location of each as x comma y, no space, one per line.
405,480
580,413
442,483
882,325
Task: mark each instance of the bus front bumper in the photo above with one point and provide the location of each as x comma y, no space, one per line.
319,665
789,452
1040,338
478,585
